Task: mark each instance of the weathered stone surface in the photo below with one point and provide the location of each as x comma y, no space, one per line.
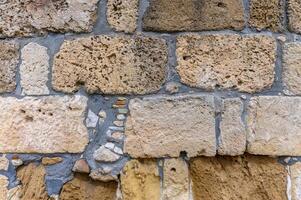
34,69
103,174
295,178
102,154
292,68
4,163
83,188
43,125
192,15
166,126
3,187
111,65
8,63
25,17
51,160
122,15
267,15
247,177
13,193
294,15
176,180
274,126
233,135
245,63
140,180
81,166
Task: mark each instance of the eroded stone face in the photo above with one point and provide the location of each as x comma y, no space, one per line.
166,126
294,15
247,177
111,65
3,187
43,125
26,17
225,61
194,15
274,126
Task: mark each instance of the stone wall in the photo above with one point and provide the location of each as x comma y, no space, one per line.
150,100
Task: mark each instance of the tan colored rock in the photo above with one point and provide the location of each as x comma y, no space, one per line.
104,175
81,166
83,188
43,125
34,69
267,15
51,160
233,135
26,17
273,126
227,61
122,15
175,180
294,15
247,177
4,163
295,178
191,15
111,65
9,56
102,154
3,187
162,126
140,180
14,193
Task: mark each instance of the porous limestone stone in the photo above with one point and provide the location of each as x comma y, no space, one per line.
192,15
9,56
102,154
4,163
111,65
233,134
245,63
247,177
140,180
43,125
162,126
122,15
175,180
267,15
26,17
34,70
81,166
294,15
292,68
3,187
83,188
274,126
295,178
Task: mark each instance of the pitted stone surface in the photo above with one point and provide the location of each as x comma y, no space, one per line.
123,15
295,177
294,15
168,125
3,187
274,126
34,69
233,134
245,63
111,65
43,125
194,15
8,63
26,17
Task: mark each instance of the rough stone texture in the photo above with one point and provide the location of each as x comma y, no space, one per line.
294,15
103,174
267,15
111,65
34,69
102,154
245,63
233,135
4,163
166,126
43,125
83,188
176,180
295,178
26,17
248,177
122,15
274,126
3,187
81,166
51,160
292,68
140,180
9,56
192,15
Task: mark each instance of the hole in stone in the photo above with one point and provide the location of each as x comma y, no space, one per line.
173,169
221,5
29,118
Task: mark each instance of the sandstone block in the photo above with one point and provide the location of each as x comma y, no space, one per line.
295,178
192,15
51,160
26,18
169,125
294,15
111,65
274,126
247,177
3,187
43,125
226,61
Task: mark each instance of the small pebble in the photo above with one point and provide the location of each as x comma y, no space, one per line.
123,111
110,145
121,117
118,123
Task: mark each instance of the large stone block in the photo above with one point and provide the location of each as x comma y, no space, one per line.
245,63
43,125
170,125
294,15
194,15
111,65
